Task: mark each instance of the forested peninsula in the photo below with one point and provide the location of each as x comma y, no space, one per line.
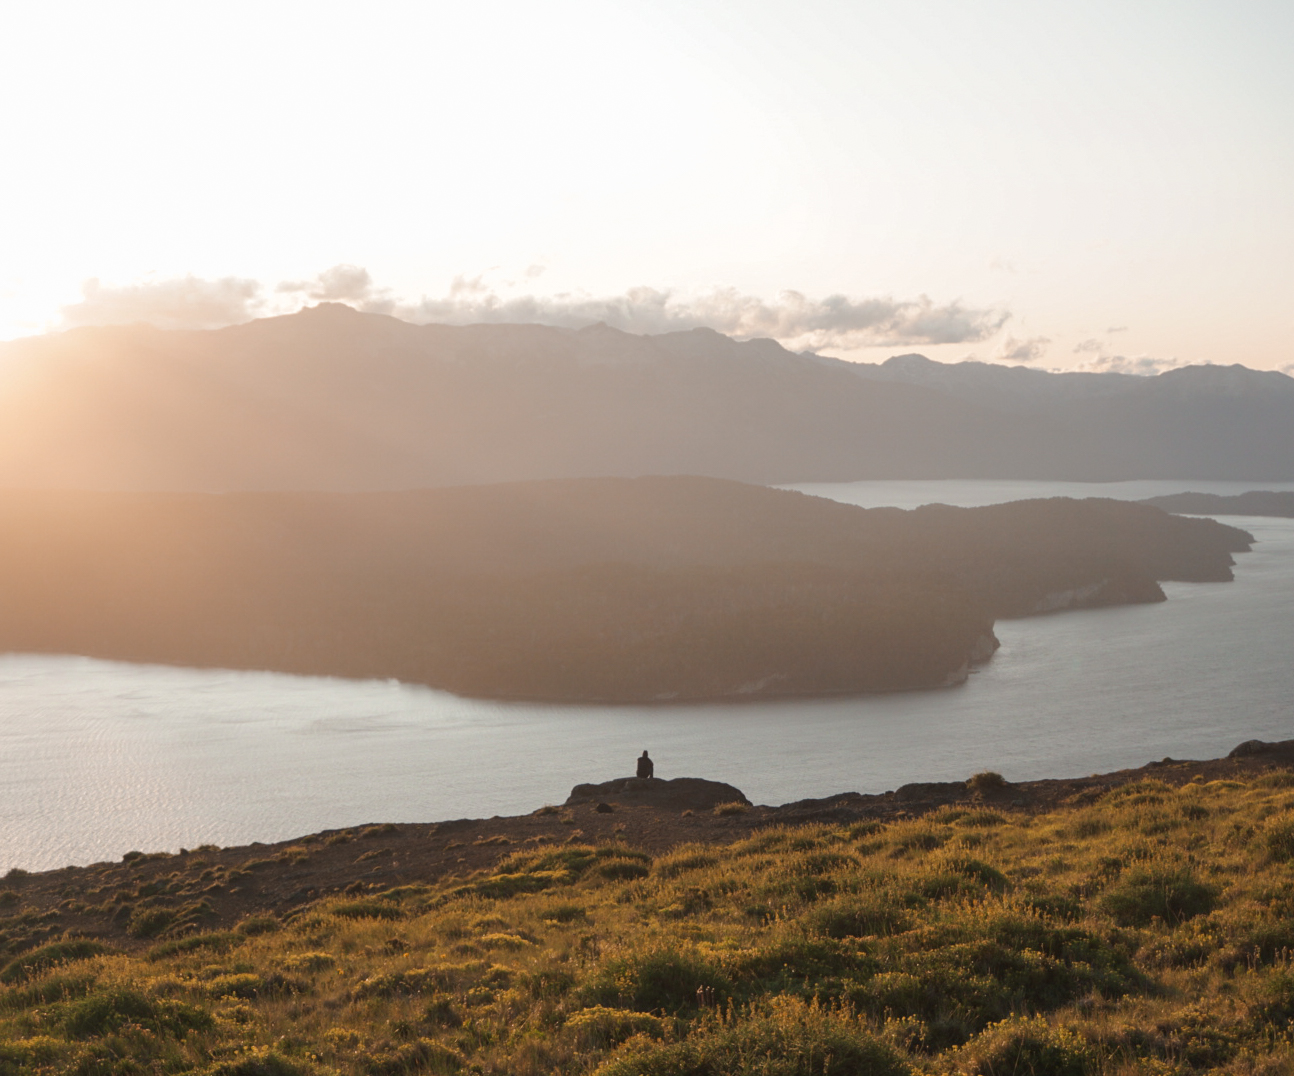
608,590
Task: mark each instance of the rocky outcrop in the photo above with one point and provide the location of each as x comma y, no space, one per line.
678,793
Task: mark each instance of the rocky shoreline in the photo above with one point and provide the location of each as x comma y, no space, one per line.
212,888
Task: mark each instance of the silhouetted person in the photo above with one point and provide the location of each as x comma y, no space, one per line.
646,768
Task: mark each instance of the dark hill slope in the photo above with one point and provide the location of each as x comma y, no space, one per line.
598,589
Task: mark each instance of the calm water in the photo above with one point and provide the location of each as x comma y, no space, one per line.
97,758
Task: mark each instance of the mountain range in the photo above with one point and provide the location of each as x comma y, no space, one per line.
333,399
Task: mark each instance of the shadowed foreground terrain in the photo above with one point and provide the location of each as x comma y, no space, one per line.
619,590
1138,922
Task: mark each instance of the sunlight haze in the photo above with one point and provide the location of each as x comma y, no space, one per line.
1101,185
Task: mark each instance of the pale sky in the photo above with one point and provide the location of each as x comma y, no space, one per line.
1089,183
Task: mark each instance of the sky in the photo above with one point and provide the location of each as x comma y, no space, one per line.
1095,185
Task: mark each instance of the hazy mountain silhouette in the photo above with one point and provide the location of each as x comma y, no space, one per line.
1255,502
330,398
610,589
1218,422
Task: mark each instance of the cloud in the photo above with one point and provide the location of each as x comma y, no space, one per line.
793,318
349,284
798,321
1103,361
185,303
1140,365
1030,350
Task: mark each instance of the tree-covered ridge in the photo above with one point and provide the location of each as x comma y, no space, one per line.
1147,929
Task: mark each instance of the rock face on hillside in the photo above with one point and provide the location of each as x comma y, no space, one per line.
678,793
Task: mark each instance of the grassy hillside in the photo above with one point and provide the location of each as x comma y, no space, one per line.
1143,929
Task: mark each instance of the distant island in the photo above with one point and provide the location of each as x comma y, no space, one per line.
1258,502
594,590
333,399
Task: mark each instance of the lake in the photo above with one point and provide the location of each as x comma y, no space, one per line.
98,758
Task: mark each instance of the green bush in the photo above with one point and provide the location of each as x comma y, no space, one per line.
106,1011
783,1037
219,941
856,917
35,961
424,1055
986,781
367,909
1279,840
260,1063
150,922
601,1028
660,980
1026,1047
1144,894
258,924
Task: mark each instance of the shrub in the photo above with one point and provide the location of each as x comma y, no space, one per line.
620,870
680,862
1279,840
219,941
106,1011
49,988
986,781
600,1028
663,980
922,840
784,1037
735,807
309,962
981,819
258,924
367,909
420,1056
566,913
855,917
1026,1047
259,1062
1145,894
977,870
150,922
1091,827
32,963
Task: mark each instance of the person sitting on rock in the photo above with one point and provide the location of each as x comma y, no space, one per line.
646,768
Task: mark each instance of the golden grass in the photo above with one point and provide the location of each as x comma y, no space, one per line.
1148,932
